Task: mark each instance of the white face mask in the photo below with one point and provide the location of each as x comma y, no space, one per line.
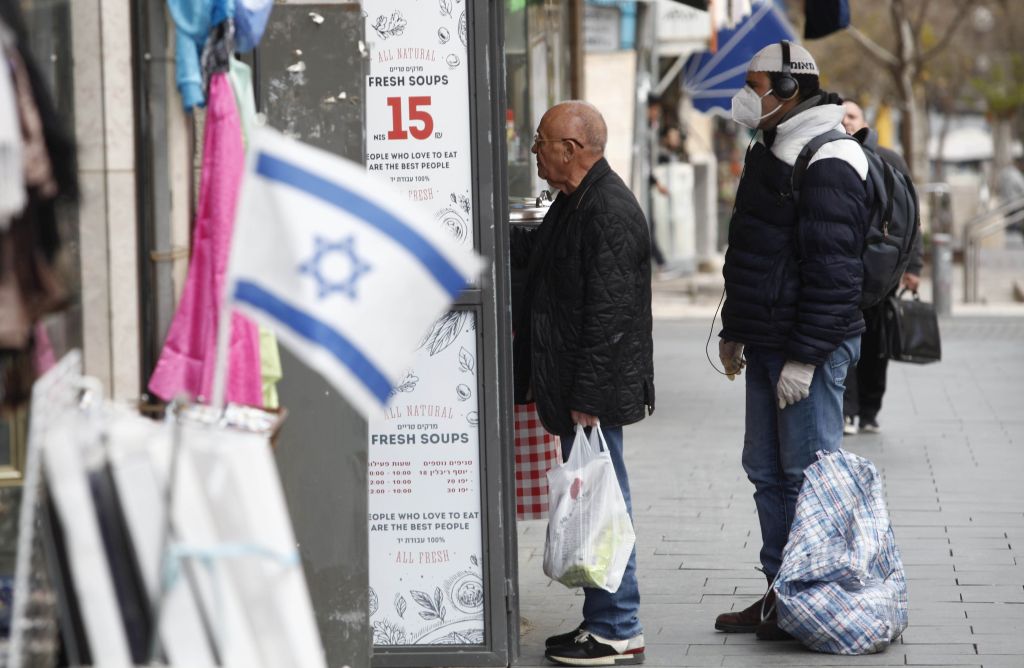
746,107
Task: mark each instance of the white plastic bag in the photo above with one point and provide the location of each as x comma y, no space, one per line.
590,534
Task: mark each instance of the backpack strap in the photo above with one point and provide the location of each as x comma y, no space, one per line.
890,190
806,153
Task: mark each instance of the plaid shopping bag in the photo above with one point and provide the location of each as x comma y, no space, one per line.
536,452
842,588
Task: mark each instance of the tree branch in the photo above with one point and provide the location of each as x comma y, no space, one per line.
870,47
954,25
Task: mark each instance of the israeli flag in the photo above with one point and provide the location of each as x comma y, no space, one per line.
346,271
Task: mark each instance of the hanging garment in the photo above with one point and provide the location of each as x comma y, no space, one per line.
240,75
187,361
44,358
30,285
270,367
60,143
15,320
12,176
241,84
250,22
38,169
216,53
193,20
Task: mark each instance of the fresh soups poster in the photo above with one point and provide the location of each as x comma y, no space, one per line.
426,583
417,105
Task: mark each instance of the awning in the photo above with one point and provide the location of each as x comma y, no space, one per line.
711,79
967,144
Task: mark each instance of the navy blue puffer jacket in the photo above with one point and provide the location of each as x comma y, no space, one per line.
793,271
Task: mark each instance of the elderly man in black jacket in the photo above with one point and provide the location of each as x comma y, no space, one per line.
583,347
793,275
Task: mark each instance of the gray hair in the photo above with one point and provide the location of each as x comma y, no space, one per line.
585,120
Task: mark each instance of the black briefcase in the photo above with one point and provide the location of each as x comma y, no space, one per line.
911,330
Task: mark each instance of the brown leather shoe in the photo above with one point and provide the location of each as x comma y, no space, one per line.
748,619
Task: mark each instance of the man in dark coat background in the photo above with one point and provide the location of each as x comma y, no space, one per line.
865,384
583,348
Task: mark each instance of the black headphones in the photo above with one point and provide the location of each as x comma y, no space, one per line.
784,85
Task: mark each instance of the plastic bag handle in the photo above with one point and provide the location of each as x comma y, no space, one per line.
582,450
598,444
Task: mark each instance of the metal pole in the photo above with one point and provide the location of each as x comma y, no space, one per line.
968,263
942,273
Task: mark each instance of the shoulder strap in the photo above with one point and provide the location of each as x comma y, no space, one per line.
806,153
890,183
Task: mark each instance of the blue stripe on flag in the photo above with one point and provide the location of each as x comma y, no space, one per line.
317,332
333,193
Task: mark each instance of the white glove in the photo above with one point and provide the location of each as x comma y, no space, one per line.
731,354
794,383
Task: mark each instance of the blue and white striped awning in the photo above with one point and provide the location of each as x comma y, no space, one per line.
711,79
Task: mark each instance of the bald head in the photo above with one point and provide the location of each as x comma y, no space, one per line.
583,121
570,140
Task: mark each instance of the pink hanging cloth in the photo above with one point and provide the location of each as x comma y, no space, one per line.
187,360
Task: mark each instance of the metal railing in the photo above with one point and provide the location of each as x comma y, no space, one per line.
976,229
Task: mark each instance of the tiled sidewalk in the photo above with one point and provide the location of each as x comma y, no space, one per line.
951,452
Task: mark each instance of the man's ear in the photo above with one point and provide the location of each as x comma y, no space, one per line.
568,152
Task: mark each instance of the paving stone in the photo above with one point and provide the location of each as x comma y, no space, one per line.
997,611
950,457
992,594
801,657
919,571
989,627
918,634
1009,644
922,659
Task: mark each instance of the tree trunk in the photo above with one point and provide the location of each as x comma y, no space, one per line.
1002,141
905,74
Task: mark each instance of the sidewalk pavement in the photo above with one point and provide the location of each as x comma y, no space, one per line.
951,451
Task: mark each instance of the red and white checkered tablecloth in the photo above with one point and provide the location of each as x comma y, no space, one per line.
536,452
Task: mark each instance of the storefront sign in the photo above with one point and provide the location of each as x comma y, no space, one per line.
681,29
417,105
425,538
426,583
601,28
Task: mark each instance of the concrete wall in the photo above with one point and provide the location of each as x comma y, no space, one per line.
616,102
104,113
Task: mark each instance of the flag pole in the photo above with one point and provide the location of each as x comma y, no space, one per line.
221,359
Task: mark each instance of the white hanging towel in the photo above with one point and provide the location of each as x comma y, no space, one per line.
12,174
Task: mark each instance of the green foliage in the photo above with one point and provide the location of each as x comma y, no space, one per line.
1003,87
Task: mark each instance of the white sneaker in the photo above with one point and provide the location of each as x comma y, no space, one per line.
590,650
849,427
870,426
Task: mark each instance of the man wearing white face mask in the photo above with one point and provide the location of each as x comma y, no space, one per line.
793,275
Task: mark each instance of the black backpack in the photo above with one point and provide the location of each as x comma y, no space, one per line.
892,225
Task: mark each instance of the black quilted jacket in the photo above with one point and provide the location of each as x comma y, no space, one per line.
583,341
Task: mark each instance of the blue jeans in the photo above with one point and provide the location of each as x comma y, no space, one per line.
612,616
780,444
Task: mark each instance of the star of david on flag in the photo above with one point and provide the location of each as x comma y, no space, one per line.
315,267
346,271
